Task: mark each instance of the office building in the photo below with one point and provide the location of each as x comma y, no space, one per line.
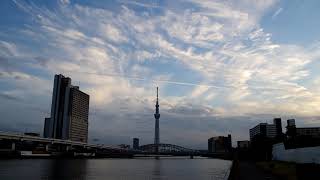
135,143
219,144
69,112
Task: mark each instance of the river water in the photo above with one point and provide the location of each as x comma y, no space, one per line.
115,169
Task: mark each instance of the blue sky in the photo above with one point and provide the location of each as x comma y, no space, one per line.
222,66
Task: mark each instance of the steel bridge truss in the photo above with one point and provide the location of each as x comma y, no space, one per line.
166,148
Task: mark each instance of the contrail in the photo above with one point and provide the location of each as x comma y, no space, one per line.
173,82
151,80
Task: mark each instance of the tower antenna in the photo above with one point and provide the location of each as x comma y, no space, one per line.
157,117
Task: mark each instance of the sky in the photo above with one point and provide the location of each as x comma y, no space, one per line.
222,67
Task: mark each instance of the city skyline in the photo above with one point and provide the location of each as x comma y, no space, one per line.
222,67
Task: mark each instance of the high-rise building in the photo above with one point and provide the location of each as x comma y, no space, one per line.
277,123
219,144
135,143
69,112
78,115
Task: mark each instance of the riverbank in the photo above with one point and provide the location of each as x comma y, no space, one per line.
291,171
273,170
246,170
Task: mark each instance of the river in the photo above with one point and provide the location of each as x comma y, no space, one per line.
115,169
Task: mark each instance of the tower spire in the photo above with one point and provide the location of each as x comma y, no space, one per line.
157,117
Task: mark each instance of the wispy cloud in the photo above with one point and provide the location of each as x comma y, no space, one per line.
211,59
275,14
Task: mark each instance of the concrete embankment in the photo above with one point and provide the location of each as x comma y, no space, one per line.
244,170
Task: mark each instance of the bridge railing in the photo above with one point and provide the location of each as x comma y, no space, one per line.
23,137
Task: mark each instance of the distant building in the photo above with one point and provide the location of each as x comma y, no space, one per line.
291,122
135,143
69,112
243,144
292,130
219,144
46,127
277,123
267,130
124,146
264,130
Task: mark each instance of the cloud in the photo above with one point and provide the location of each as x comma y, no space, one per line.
65,2
216,66
146,5
275,14
113,33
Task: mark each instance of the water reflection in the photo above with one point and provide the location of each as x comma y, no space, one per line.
156,173
114,169
64,169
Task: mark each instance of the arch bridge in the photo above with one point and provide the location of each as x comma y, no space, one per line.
166,149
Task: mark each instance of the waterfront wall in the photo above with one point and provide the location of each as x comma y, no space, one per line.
298,155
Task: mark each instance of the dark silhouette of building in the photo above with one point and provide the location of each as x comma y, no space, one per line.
243,144
135,143
299,137
69,112
277,122
220,144
267,130
292,130
46,127
262,137
124,146
156,133
263,129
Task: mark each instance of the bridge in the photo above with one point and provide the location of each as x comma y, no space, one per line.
165,148
161,149
11,143
15,143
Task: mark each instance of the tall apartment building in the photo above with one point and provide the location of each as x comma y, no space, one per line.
267,130
69,112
